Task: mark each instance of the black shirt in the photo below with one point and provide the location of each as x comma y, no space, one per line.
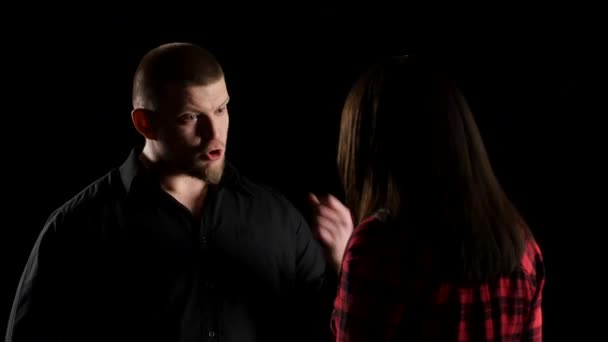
123,260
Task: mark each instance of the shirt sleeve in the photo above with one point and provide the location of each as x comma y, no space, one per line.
34,315
316,283
534,327
365,308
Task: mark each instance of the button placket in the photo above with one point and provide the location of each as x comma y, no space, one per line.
208,284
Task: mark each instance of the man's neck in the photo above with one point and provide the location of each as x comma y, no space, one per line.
186,189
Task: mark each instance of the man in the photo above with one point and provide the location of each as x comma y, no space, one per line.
175,244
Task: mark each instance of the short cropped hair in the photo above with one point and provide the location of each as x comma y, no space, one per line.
178,63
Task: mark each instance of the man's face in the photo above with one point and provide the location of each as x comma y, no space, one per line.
192,126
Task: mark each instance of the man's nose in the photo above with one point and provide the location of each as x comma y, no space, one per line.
207,127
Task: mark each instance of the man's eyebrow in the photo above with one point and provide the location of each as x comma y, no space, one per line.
225,102
189,108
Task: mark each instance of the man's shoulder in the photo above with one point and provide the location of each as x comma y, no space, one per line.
262,195
269,204
258,189
253,188
92,198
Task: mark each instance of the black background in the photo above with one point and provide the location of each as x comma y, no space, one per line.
529,79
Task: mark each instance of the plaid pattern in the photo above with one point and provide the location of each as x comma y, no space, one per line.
377,302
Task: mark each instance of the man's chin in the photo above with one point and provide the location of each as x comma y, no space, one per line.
210,172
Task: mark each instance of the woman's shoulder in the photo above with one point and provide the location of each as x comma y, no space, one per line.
376,229
532,262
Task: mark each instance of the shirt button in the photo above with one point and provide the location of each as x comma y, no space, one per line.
212,334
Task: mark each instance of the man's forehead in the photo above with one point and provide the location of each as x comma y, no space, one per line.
199,95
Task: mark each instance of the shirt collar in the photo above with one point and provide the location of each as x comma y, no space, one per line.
132,169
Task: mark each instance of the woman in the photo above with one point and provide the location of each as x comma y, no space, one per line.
439,252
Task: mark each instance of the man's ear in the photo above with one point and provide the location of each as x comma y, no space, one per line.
143,122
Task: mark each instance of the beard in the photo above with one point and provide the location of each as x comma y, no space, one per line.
210,173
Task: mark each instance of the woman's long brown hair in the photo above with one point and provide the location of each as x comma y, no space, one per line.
410,144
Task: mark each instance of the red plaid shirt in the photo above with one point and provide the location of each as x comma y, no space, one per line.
377,302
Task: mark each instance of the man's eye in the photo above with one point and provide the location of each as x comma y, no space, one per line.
189,117
221,109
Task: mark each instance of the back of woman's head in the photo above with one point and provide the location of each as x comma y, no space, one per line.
409,143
